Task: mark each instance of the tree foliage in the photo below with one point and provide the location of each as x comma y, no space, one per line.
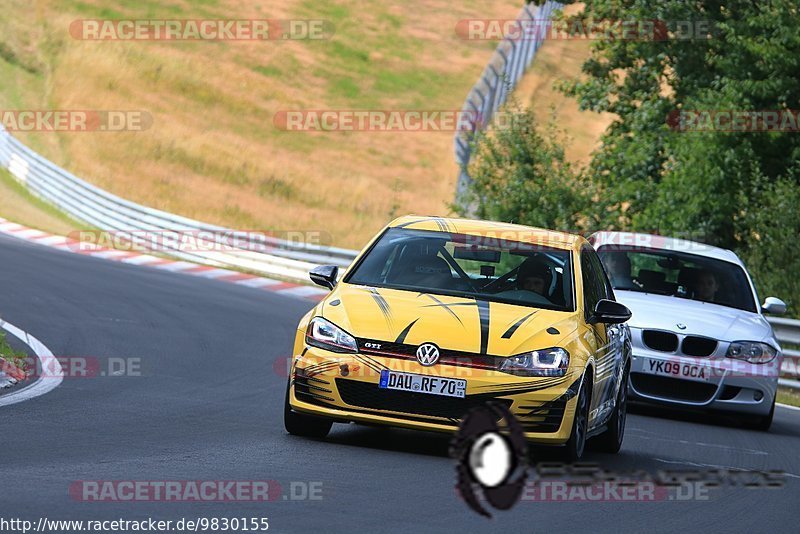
521,175
735,189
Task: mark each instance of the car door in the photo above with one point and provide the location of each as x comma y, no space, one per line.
595,287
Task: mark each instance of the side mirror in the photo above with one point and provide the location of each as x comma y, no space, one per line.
610,312
773,305
324,275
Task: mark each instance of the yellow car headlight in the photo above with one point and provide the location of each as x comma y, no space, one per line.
545,362
326,335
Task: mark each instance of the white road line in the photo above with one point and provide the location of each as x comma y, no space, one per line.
47,381
177,266
795,408
258,282
215,273
301,291
30,233
52,240
141,260
109,254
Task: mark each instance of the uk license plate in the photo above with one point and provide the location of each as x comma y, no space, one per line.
676,369
431,385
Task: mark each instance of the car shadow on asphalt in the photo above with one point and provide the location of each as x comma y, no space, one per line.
391,439
717,419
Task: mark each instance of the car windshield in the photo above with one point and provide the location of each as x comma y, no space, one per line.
678,274
462,265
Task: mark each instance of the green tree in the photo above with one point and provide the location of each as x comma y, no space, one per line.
731,55
522,176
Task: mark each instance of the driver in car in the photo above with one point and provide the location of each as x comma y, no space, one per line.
618,267
706,286
533,275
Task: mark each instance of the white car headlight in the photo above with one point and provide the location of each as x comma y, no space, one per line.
326,335
545,362
752,351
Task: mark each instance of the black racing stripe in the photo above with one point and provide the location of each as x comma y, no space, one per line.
372,364
441,304
513,328
374,361
368,364
402,337
382,304
409,223
483,314
321,368
441,224
539,384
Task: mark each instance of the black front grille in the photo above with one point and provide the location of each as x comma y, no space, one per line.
672,388
311,389
729,392
698,346
369,395
658,340
544,418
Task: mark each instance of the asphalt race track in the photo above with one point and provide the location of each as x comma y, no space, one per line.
208,406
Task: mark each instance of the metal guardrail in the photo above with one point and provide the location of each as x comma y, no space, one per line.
788,331
508,64
85,202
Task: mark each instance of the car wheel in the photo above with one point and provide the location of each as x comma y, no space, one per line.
299,424
764,422
576,444
611,440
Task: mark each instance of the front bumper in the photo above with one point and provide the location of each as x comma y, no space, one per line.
344,387
731,385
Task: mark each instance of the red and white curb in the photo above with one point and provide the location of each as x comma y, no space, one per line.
10,374
46,381
134,258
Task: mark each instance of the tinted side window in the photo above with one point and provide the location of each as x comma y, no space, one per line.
590,287
601,276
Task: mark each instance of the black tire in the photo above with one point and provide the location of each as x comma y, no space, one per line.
573,450
764,422
307,426
610,440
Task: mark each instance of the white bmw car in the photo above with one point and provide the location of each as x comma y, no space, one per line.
700,338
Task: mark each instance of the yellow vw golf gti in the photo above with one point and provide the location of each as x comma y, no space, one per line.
437,316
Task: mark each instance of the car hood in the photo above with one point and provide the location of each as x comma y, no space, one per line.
700,318
454,323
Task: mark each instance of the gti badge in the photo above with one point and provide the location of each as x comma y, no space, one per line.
427,354
681,326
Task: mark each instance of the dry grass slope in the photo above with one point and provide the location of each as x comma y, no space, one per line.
213,153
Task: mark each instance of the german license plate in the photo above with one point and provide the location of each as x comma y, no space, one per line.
431,385
686,371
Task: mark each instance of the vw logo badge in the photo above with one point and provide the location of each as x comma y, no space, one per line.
681,326
427,354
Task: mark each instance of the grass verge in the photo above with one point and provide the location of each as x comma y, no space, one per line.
17,204
18,358
789,396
